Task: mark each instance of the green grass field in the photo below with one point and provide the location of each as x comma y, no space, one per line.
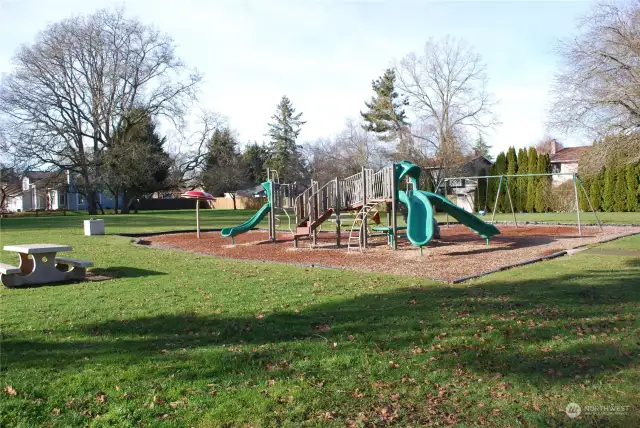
178,339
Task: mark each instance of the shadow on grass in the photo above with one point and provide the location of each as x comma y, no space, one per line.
125,272
520,318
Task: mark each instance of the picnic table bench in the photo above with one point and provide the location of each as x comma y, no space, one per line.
39,265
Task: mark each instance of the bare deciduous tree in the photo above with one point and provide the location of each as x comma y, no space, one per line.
69,92
446,86
597,89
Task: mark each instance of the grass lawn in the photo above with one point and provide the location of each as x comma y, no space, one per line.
179,339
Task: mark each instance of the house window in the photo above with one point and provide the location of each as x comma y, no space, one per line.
25,184
81,199
62,199
555,168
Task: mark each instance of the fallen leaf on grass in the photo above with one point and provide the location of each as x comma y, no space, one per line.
56,411
9,390
101,397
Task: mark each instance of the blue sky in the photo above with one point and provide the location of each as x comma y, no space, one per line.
324,54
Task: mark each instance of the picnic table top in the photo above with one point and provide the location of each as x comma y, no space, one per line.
37,248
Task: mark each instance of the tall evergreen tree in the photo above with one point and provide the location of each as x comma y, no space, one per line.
532,157
512,168
224,171
480,194
285,154
255,157
481,148
595,191
500,169
491,188
136,163
523,168
582,200
632,178
543,184
609,186
385,115
620,190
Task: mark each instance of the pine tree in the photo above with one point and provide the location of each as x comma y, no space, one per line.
542,184
633,186
385,115
481,148
512,168
531,187
595,191
491,188
523,168
224,170
285,154
255,157
500,169
609,186
481,191
582,199
620,191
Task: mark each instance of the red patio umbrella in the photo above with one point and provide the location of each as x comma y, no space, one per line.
200,196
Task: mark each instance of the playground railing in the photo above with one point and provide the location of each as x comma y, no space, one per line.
301,202
352,190
284,195
379,184
323,199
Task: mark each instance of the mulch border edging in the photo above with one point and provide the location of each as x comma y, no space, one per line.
168,232
539,259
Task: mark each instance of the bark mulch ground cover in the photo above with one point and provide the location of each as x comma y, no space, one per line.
459,253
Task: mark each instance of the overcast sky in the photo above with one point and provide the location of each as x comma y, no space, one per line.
324,54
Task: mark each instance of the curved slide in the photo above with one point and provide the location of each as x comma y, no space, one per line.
247,225
420,216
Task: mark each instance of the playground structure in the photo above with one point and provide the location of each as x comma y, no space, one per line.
362,193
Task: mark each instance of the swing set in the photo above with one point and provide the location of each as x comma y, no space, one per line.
504,178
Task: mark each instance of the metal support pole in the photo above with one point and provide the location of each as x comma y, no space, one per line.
575,190
511,203
495,206
363,233
338,201
589,200
198,218
272,214
445,196
394,207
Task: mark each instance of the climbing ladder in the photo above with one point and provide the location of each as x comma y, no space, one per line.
359,225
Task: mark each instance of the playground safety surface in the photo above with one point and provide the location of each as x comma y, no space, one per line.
459,253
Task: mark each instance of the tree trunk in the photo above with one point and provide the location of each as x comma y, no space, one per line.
115,201
233,196
92,202
100,206
125,202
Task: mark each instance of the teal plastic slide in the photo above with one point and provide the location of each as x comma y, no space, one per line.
230,232
420,207
419,217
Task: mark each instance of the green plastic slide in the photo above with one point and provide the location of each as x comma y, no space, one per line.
419,217
247,225
443,204
230,232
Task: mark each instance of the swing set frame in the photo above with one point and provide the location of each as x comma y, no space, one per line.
505,178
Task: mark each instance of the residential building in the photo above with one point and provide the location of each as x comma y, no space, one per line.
564,160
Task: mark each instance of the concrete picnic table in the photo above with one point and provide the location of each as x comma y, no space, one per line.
39,265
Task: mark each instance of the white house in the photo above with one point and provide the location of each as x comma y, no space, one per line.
45,190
